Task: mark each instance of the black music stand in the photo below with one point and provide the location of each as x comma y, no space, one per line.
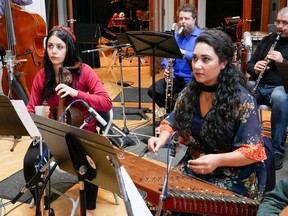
15,119
155,44
101,154
87,37
122,39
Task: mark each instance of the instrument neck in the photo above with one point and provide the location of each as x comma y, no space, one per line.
65,76
61,100
11,39
276,41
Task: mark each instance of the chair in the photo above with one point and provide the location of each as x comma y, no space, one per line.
261,108
108,117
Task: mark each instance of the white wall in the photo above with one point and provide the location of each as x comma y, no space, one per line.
38,7
169,13
202,14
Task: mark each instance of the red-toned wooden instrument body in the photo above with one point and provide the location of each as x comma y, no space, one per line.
185,194
30,31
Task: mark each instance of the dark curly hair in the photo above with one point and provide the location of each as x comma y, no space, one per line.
223,115
70,59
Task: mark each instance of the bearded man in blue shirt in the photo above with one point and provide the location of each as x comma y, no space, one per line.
186,33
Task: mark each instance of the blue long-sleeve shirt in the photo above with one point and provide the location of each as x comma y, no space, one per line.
181,67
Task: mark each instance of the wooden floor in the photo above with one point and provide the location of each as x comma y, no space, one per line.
12,161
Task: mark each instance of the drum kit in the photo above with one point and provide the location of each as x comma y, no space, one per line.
120,23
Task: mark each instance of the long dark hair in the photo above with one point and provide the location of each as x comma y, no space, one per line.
71,58
223,115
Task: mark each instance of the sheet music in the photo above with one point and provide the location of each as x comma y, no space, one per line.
25,117
139,207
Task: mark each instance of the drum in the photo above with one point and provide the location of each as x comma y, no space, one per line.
119,22
257,36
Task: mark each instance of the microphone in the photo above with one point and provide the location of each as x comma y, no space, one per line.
247,40
174,26
94,113
248,44
180,30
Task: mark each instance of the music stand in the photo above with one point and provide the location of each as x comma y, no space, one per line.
101,153
155,44
87,36
122,39
14,121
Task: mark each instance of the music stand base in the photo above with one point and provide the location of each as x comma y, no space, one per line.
140,112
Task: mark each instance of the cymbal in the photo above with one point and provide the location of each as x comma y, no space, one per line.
258,33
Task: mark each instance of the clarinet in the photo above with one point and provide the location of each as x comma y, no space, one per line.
162,112
169,80
267,62
169,86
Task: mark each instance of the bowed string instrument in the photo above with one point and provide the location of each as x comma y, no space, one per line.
72,116
21,35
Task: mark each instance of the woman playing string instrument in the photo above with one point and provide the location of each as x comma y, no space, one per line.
217,117
60,52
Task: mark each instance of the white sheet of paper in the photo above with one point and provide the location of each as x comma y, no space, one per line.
139,207
25,117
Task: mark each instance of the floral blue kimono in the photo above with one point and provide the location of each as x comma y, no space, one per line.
247,180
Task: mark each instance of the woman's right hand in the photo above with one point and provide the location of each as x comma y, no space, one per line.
154,144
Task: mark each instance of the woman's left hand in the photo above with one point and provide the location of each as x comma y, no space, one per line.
205,164
64,90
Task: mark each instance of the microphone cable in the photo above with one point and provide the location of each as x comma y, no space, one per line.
171,153
170,157
67,108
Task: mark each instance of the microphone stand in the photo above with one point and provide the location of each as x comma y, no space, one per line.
40,180
173,149
125,128
10,62
119,50
125,131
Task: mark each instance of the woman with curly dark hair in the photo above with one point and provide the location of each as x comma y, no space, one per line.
216,116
